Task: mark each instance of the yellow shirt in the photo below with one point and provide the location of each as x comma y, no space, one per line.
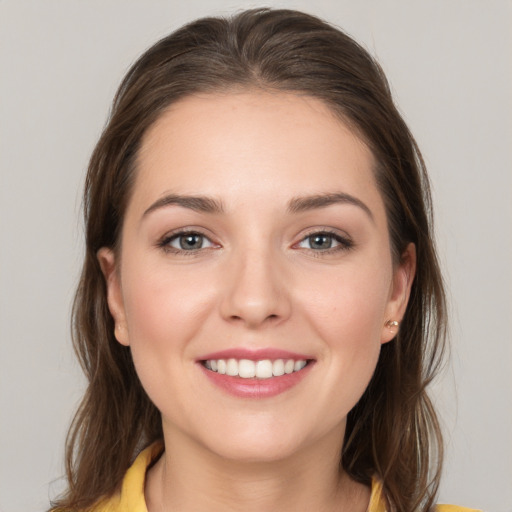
131,496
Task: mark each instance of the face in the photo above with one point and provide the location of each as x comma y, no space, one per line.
255,275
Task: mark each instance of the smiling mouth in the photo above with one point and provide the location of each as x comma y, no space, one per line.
261,369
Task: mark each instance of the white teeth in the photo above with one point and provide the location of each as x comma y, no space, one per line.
278,368
232,367
247,369
221,366
298,365
264,369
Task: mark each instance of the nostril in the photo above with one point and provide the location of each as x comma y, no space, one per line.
240,318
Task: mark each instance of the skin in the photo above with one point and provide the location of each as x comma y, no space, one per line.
257,282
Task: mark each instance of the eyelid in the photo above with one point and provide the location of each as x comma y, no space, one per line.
178,237
164,241
344,241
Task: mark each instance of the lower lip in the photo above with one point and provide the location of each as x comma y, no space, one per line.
256,388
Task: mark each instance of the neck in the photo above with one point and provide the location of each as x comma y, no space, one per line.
188,477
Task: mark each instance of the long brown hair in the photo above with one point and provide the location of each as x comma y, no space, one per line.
392,433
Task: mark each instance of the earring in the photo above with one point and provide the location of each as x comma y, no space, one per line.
391,324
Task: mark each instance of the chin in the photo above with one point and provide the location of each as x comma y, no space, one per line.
256,451
265,441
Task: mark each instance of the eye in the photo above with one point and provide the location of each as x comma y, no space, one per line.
324,241
186,241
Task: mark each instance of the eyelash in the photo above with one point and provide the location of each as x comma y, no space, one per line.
165,242
344,243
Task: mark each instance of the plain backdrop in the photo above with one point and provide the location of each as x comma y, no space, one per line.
450,67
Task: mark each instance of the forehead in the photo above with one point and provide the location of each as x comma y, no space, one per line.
243,145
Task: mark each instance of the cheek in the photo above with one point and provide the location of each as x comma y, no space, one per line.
164,312
346,309
163,306
349,304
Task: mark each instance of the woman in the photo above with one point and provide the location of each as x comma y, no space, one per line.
260,309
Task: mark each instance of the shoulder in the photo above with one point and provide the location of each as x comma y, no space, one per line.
454,508
130,498
378,502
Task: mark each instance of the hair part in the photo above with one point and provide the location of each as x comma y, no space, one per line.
393,432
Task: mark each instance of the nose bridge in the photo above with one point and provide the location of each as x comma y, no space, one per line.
257,287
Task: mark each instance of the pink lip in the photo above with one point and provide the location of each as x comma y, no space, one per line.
255,388
254,355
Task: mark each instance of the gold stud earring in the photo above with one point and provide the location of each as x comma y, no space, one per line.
391,324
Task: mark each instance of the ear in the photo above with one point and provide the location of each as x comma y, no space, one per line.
107,261
403,278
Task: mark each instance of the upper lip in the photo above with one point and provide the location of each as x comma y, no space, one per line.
254,354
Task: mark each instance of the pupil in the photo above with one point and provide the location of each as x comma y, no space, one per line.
320,242
191,241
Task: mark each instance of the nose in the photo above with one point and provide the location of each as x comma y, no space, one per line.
256,290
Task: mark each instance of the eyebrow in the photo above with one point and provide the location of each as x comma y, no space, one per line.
301,204
197,203
205,204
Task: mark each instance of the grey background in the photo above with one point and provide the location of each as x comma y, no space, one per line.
449,63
